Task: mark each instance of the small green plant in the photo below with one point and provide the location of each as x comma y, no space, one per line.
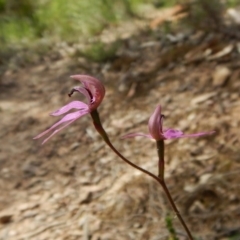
170,228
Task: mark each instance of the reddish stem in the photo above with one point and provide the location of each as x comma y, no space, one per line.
100,129
160,179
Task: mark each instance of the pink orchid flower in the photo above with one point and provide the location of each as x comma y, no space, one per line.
92,89
156,131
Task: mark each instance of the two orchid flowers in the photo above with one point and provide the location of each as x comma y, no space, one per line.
94,91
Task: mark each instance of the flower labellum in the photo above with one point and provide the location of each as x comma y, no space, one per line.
156,131
92,89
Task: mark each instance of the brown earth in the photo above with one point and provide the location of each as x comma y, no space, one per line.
74,187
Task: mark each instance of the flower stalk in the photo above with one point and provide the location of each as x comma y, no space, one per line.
98,126
160,179
160,151
165,189
161,165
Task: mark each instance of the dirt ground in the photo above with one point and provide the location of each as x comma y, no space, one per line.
74,187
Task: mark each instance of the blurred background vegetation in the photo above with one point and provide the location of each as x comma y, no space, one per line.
27,21
68,20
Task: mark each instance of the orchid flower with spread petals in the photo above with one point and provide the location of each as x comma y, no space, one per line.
92,89
156,131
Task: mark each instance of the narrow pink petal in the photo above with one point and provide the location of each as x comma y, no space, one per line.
57,130
69,106
67,118
131,135
197,134
172,133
